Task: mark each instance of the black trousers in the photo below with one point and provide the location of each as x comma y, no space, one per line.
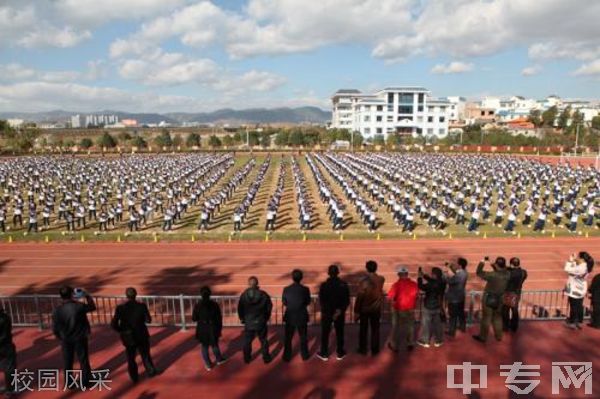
249,336
575,310
369,320
143,348
8,364
510,317
338,325
456,317
289,334
79,347
595,313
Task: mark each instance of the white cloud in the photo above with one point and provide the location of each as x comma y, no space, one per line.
589,69
54,37
453,67
39,96
14,71
531,70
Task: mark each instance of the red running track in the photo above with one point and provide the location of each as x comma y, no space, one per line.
420,374
173,268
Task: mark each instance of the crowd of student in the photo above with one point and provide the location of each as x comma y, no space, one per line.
433,190
439,296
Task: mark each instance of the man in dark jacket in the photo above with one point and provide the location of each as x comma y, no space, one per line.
456,279
130,322
8,352
334,297
367,308
496,282
254,311
510,310
71,326
296,298
433,288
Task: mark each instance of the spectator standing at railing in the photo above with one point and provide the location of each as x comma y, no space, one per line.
254,311
403,297
368,307
334,297
512,296
129,321
491,313
71,326
431,323
456,280
296,299
594,291
578,268
8,352
209,325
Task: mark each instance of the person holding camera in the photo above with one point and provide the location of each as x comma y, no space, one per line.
512,296
71,326
456,279
496,282
578,267
433,287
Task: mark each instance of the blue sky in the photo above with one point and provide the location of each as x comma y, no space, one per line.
189,55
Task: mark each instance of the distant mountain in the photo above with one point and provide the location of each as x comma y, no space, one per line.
231,116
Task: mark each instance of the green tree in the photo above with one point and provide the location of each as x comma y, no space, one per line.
228,141
535,117
596,122
253,138
265,139
282,138
237,137
192,140
86,143
164,139
177,140
296,138
214,141
379,139
563,118
106,141
549,116
124,136
393,140
139,142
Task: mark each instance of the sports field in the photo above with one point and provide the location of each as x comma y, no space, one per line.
189,185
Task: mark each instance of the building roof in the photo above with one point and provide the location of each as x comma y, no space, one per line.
405,88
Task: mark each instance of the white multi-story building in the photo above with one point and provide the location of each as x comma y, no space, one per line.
403,110
83,121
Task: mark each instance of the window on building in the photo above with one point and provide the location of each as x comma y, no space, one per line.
482,113
405,109
379,130
430,110
390,98
379,118
490,112
367,130
421,98
390,118
390,108
367,118
442,119
405,98
430,119
442,132
420,108
430,131
380,108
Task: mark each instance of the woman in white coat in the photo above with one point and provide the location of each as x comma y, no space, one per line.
578,268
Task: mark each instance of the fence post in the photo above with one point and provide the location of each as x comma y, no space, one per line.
182,312
38,311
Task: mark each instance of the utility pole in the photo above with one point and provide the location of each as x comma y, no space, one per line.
352,140
576,138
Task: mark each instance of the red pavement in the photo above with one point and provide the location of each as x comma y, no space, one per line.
174,268
420,374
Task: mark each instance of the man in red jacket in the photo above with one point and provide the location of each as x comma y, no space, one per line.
403,296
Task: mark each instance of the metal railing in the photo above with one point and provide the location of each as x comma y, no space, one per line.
176,310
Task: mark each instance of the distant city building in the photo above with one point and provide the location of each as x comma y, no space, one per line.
402,110
129,122
83,121
15,123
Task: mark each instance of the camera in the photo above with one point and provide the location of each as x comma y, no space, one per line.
78,293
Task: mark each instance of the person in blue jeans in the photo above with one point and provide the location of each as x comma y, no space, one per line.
209,324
